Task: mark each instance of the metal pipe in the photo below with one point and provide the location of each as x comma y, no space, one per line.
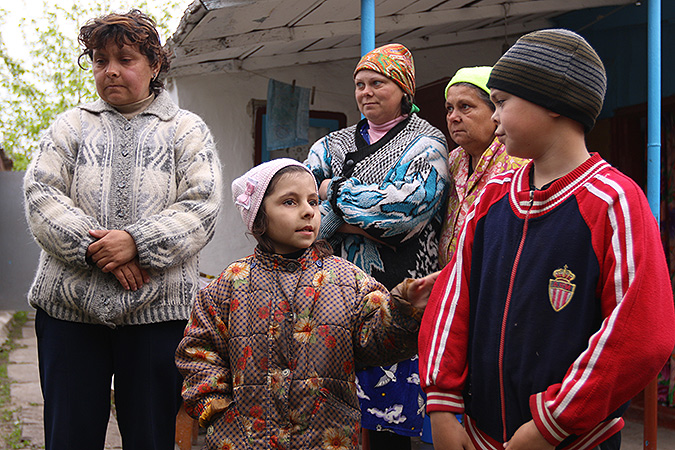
367,44
653,178
367,26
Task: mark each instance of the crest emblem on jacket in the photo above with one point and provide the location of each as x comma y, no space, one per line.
561,288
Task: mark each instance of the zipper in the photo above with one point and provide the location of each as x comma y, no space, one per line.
505,316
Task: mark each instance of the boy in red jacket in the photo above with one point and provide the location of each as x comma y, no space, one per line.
557,308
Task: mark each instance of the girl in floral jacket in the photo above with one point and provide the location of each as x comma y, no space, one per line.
270,352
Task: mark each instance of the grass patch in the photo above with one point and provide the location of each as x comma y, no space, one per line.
9,426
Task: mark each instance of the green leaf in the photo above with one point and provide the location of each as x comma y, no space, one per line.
36,90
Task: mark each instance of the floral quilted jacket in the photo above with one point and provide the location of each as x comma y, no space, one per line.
270,352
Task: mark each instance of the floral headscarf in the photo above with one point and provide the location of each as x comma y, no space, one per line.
394,61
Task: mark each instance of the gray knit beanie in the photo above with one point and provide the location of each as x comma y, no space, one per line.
556,69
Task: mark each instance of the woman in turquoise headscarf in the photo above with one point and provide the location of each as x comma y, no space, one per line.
384,182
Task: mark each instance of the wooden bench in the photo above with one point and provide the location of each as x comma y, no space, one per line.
187,430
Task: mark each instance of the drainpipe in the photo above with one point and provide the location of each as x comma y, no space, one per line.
367,44
367,26
653,177
367,29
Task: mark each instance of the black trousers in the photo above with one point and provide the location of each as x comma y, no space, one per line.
77,362
386,440
613,443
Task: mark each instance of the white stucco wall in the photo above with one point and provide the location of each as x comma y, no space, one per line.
223,101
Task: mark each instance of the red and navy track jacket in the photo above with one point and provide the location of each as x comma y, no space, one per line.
558,308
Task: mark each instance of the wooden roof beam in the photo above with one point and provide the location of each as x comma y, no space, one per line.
320,56
387,24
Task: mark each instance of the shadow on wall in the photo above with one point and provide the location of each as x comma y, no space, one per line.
18,251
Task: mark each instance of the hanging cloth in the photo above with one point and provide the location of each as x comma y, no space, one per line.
287,115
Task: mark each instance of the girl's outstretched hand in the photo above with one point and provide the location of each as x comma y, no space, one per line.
419,290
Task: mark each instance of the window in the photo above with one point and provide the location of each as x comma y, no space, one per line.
320,124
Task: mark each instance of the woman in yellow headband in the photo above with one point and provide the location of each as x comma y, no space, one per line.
479,155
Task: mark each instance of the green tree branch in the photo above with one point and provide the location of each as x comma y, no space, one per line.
35,91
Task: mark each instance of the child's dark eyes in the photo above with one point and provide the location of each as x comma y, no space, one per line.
293,202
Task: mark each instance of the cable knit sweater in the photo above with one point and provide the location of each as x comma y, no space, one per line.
156,176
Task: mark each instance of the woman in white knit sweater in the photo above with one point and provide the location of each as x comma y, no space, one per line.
121,197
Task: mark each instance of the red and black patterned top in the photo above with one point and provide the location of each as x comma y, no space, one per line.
270,352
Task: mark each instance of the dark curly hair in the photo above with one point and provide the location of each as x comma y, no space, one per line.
132,28
406,104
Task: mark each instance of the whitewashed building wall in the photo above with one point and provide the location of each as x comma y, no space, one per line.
223,100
